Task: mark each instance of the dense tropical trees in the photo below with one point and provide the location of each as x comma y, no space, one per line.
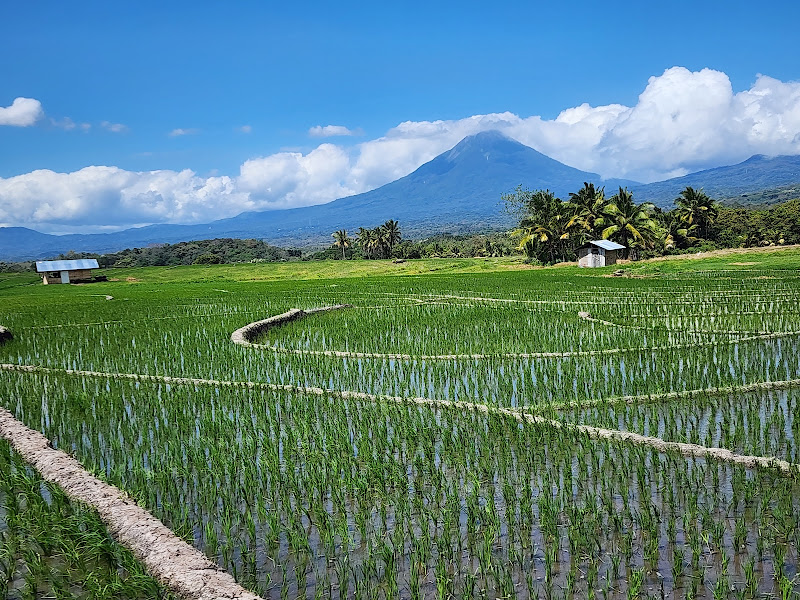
628,223
378,242
676,233
363,238
697,210
590,216
551,230
381,242
544,227
779,224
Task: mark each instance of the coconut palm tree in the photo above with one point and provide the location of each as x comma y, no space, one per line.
378,242
543,231
676,233
341,240
363,239
589,205
630,224
393,236
697,210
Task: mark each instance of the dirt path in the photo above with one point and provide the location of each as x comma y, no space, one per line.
180,567
245,335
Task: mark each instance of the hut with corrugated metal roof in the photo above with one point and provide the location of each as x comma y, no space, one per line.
66,271
599,253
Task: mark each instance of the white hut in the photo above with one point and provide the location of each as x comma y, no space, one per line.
599,253
66,271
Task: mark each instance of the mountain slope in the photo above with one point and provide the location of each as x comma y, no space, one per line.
456,191
756,174
460,188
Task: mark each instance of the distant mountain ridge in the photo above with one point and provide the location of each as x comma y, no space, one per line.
458,191
755,174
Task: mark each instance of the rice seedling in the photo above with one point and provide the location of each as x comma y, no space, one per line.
52,547
343,493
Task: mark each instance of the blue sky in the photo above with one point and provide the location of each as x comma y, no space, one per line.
207,87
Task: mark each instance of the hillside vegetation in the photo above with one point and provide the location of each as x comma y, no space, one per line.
551,230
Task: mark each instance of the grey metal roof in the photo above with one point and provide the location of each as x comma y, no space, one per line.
607,244
43,266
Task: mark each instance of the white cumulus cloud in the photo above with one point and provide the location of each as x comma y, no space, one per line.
289,179
682,121
332,131
109,196
23,112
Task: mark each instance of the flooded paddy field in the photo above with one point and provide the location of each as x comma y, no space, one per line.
426,442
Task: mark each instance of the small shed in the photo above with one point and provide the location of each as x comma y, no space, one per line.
66,271
599,253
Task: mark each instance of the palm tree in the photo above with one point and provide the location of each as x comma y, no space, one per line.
697,210
589,205
393,236
676,233
378,241
543,231
631,224
363,239
341,240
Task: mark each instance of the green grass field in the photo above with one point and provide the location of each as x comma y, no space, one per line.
305,467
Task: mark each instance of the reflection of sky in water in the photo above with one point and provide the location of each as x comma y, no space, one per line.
765,423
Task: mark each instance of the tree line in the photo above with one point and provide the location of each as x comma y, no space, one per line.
774,225
200,252
386,241
551,230
376,242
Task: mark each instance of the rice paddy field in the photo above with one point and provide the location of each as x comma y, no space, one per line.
466,429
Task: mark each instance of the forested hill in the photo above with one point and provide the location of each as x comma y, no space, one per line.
733,184
200,252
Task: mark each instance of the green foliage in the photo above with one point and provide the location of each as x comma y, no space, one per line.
342,241
386,241
16,267
208,258
201,252
378,242
551,230
776,225
697,211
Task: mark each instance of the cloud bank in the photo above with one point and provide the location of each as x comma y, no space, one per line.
23,112
683,121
